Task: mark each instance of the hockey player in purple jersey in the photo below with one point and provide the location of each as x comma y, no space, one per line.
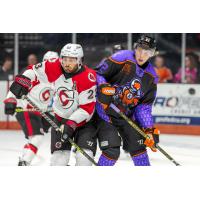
128,80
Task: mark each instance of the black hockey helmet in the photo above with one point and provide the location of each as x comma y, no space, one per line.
146,42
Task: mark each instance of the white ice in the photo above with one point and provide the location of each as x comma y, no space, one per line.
184,149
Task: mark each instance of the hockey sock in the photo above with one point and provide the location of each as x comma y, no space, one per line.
31,148
141,159
105,161
29,152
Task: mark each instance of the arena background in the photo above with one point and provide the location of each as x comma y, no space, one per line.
96,46
177,106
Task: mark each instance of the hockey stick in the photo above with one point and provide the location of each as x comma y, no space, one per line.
32,110
56,127
142,133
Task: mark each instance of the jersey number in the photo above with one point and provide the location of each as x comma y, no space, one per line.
38,65
91,94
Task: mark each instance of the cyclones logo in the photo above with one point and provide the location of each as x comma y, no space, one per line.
45,95
66,97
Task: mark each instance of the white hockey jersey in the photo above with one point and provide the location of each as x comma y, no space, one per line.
75,94
40,93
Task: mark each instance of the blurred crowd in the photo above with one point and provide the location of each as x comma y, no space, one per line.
192,70
7,68
167,73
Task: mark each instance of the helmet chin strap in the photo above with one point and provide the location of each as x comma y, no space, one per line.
78,68
79,63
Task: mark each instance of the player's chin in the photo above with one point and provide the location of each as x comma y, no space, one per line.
67,70
140,63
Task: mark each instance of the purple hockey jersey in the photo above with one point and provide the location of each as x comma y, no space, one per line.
122,71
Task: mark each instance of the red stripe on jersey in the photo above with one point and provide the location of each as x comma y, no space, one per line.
72,124
30,146
28,123
58,117
34,83
53,70
81,123
89,108
85,80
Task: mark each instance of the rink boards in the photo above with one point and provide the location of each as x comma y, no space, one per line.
176,109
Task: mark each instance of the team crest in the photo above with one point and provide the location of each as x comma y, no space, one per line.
91,77
45,95
130,93
66,97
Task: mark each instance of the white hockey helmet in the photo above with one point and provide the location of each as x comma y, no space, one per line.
73,50
50,55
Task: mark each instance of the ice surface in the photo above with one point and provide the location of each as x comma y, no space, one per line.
184,149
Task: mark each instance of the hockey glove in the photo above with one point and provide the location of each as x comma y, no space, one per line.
10,106
156,134
20,86
67,130
153,139
106,92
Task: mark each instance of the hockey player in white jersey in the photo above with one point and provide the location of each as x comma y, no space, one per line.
74,101
50,55
32,123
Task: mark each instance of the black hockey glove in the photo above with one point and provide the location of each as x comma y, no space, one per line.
106,92
67,129
10,106
20,86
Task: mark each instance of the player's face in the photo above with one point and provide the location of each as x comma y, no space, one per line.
69,64
142,55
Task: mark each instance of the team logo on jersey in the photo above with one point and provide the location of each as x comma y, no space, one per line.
130,93
91,77
45,95
66,97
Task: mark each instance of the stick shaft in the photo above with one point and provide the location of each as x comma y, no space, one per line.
32,110
142,133
55,126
